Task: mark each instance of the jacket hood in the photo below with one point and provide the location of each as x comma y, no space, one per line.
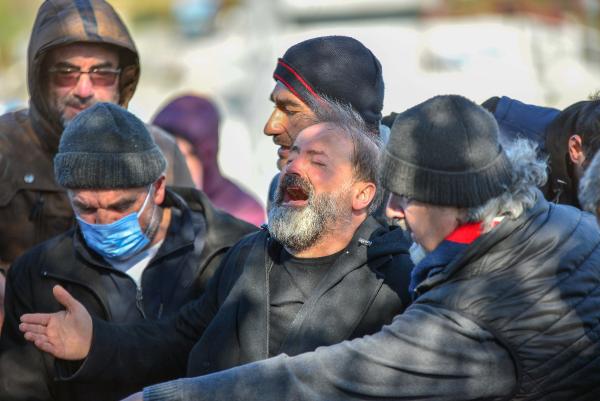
517,119
196,119
63,22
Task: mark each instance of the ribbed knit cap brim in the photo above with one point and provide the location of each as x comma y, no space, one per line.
445,152
106,147
444,188
122,170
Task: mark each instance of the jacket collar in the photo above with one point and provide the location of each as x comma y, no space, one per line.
222,229
485,243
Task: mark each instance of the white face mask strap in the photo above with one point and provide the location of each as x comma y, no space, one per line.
146,200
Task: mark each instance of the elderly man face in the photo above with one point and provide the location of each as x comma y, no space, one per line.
290,116
79,76
428,224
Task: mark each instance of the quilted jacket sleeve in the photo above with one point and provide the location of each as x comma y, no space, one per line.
427,353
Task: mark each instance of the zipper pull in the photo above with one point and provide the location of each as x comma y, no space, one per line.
365,242
139,301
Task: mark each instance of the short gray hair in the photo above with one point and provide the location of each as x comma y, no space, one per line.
589,186
529,172
367,146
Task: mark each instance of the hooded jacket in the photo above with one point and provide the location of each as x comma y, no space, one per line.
364,288
513,317
33,207
197,239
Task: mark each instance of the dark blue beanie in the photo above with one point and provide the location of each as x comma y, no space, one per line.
338,67
107,147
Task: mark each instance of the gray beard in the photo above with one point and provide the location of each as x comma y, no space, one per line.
297,229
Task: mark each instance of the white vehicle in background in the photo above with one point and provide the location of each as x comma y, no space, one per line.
316,10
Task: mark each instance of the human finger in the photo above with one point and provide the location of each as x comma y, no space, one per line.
36,318
64,298
45,346
35,337
32,328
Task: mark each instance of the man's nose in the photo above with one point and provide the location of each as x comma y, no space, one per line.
274,125
105,217
294,165
84,88
394,211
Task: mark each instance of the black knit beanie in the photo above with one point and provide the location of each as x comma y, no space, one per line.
338,67
107,147
445,152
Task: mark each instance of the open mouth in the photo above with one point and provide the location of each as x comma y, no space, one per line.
295,196
295,193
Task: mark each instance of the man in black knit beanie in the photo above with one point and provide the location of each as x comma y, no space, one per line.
335,68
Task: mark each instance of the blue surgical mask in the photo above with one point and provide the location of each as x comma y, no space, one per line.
119,240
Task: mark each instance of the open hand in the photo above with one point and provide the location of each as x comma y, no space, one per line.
66,334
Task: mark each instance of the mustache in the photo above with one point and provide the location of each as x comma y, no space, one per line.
77,102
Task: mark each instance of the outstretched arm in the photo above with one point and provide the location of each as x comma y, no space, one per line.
143,353
428,353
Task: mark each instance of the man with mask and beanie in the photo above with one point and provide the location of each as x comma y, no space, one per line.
139,252
80,53
505,295
324,271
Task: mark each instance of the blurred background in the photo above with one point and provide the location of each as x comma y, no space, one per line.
545,52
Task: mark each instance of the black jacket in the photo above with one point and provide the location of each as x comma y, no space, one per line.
362,291
197,238
516,316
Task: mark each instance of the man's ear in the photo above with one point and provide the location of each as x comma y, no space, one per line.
575,149
160,187
363,194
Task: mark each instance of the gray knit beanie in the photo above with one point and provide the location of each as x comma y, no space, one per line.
106,147
445,152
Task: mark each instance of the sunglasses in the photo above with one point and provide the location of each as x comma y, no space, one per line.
69,76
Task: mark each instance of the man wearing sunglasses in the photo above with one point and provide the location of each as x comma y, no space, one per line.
80,53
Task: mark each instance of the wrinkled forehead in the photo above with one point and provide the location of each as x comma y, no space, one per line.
325,138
